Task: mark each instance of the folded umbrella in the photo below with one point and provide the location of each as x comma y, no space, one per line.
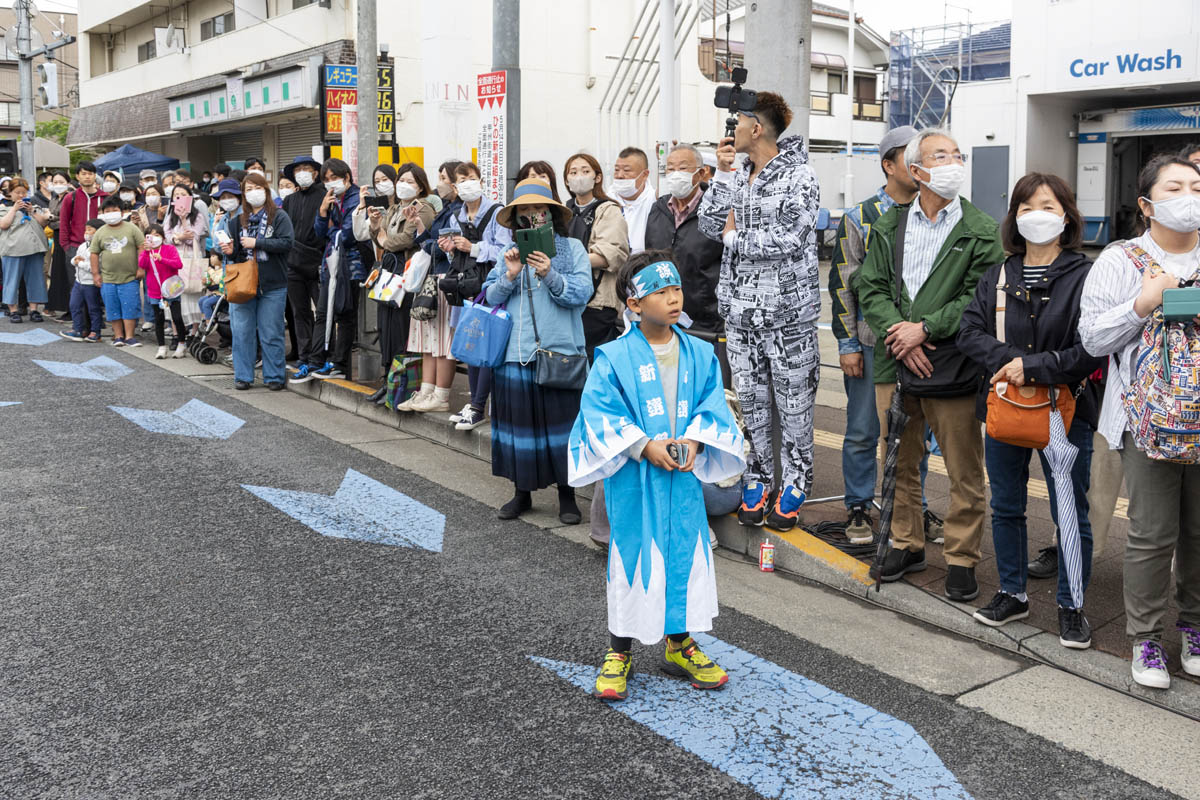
332,264
1061,454
897,419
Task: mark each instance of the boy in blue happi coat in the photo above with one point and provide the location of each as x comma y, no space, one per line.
653,423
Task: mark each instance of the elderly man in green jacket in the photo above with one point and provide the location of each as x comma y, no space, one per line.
944,245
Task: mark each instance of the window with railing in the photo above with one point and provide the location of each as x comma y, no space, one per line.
821,103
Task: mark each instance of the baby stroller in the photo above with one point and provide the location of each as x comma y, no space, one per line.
199,347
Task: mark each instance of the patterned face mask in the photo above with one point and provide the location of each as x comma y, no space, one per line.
535,219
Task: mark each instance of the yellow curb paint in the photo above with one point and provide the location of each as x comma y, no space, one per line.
818,549
351,385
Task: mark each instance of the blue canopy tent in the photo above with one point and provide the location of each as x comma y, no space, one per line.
129,160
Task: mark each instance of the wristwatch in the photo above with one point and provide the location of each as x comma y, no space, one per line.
925,328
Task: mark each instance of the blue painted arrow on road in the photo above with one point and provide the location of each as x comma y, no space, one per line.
10,403
193,418
36,337
780,733
364,509
100,368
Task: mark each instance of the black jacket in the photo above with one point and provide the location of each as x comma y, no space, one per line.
697,257
277,244
1041,326
308,249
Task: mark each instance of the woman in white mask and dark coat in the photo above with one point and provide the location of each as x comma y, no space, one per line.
1120,299
1040,282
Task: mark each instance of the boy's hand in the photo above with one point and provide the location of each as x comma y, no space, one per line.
693,449
656,453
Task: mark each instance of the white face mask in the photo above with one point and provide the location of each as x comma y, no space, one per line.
1040,227
154,201
109,187
154,240
625,187
111,217
285,193
256,171
405,191
1180,214
385,188
229,204
59,188
582,184
679,183
337,187
304,178
256,197
127,197
945,180
470,190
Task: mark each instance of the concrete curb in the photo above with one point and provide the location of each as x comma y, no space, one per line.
801,554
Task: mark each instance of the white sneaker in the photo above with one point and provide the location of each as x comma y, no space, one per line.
429,403
1149,666
147,327
470,420
1191,649
162,351
180,350
407,405
466,410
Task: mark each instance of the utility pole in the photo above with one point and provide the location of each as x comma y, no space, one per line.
779,55
668,82
366,51
506,55
848,183
25,70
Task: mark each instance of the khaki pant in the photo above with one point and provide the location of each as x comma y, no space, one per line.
1164,520
960,437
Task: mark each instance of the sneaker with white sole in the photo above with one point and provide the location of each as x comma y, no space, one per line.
461,414
429,403
1191,648
162,351
470,420
304,374
1149,665
180,350
858,526
329,371
413,398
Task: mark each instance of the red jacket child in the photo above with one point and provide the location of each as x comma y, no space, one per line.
159,264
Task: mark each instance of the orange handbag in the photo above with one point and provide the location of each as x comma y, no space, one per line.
1020,415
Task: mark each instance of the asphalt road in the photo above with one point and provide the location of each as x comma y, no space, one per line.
165,633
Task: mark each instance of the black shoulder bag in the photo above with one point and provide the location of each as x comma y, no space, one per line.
463,280
954,375
554,370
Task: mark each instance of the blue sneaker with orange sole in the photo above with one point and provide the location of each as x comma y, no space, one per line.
753,509
784,515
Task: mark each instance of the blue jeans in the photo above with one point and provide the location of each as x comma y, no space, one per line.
1008,473
259,321
859,464
720,501
86,308
28,269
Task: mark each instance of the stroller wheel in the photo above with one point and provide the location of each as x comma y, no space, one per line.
206,354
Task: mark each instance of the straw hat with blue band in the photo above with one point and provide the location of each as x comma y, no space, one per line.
653,278
531,192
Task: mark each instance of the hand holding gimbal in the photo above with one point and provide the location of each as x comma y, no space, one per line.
735,99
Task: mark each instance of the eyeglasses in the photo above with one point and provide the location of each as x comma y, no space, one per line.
942,159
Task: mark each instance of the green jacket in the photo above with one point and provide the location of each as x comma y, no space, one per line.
971,248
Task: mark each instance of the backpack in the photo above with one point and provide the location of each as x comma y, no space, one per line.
1162,403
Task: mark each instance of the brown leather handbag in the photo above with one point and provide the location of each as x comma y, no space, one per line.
241,281
1020,415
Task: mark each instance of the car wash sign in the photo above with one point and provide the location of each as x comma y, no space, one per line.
1149,61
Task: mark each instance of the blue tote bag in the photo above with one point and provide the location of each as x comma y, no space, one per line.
481,338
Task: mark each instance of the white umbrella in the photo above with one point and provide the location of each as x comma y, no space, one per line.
1060,454
332,262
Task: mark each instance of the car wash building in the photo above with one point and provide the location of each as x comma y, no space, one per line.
1094,89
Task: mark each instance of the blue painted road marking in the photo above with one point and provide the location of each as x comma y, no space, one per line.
193,418
364,509
101,368
780,733
36,337
10,403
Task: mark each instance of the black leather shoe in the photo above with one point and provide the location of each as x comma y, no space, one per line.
1046,563
521,502
899,562
241,385
375,398
960,584
275,387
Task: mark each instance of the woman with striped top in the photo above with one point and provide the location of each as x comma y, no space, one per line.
1041,280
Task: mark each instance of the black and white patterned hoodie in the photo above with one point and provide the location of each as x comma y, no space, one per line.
769,276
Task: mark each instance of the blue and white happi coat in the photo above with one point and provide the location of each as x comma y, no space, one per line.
660,567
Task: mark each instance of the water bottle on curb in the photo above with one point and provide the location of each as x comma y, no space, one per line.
766,556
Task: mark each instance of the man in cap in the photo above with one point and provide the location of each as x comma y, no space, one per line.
856,342
304,262
147,177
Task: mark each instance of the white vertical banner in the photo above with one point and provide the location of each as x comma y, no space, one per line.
491,89
448,115
350,140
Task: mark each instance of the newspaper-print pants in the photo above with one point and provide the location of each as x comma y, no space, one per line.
784,363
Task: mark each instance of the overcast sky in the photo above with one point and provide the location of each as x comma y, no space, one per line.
886,16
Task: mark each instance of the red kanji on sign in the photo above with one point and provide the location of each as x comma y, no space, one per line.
491,88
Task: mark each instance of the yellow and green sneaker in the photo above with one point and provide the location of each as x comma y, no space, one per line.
690,662
611,682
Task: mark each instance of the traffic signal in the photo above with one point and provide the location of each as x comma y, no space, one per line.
9,162
48,91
